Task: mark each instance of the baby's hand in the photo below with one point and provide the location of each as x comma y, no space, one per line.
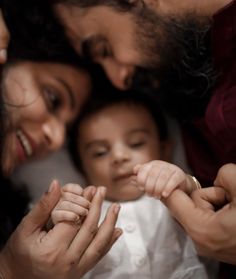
72,206
159,178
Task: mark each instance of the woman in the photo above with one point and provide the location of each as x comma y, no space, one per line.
37,102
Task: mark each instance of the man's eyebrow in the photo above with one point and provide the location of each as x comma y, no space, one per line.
88,44
69,92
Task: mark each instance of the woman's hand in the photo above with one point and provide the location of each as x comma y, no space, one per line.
4,39
63,252
72,206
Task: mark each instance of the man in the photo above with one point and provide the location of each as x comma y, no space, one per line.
185,52
166,47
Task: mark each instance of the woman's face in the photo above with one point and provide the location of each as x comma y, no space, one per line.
41,100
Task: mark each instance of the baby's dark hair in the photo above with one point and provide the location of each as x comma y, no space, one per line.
105,95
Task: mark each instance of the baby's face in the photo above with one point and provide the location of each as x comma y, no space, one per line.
114,140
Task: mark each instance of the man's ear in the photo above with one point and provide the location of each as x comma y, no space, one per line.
166,150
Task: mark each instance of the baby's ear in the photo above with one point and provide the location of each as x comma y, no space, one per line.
166,149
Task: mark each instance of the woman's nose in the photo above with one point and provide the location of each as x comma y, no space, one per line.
54,134
119,74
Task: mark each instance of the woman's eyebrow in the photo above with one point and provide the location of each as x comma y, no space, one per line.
69,92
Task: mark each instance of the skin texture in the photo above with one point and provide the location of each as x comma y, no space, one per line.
41,100
72,207
109,158
212,230
64,251
159,179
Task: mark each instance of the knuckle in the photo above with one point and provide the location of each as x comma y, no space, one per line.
92,229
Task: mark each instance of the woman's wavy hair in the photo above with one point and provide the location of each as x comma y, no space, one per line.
36,36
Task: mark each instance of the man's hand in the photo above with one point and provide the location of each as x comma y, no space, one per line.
209,216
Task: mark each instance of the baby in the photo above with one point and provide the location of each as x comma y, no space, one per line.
120,141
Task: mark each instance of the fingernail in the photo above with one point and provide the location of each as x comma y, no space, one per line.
116,208
52,186
118,232
93,191
165,194
3,55
102,191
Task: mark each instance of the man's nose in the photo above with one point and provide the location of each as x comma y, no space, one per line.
119,74
54,134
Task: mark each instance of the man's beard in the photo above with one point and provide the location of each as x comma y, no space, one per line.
177,64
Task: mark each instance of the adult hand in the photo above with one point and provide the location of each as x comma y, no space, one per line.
63,252
209,217
4,39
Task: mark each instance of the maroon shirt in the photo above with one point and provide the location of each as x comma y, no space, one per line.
210,141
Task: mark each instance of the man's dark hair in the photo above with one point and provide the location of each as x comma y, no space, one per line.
105,95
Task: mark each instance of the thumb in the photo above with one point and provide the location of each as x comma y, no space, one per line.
39,215
226,178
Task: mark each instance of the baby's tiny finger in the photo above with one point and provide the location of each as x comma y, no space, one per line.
73,207
79,200
64,216
73,188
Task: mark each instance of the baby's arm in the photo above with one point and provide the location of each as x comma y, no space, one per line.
72,206
159,178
